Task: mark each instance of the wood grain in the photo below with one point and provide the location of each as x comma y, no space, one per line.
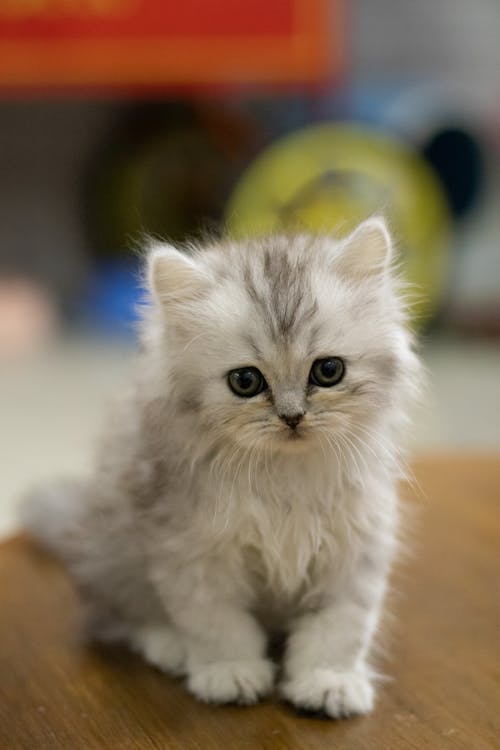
56,692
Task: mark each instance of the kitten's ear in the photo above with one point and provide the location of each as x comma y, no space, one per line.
368,250
174,276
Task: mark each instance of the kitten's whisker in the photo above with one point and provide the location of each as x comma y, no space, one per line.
372,451
336,449
397,456
349,448
357,450
195,338
250,465
377,439
321,445
229,458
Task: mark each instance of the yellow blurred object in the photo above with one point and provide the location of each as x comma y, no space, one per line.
327,178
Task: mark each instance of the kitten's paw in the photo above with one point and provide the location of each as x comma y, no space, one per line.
232,681
162,647
337,694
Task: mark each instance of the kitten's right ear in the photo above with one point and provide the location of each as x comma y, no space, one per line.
368,250
174,276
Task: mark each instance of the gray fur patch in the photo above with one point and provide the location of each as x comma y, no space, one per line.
190,402
386,365
282,293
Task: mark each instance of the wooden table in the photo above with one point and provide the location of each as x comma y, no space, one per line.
56,692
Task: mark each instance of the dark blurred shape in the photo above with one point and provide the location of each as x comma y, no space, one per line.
484,320
458,162
165,169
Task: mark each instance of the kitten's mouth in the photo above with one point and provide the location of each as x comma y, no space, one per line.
293,435
293,441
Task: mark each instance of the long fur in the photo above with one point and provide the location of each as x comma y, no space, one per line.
207,523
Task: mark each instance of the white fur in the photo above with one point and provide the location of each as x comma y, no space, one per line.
333,692
162,647
207,523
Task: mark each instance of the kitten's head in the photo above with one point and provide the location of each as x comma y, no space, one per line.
289,343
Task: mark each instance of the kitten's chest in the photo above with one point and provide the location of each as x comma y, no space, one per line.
284,533
286,547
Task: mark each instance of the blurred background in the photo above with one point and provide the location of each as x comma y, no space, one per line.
120,118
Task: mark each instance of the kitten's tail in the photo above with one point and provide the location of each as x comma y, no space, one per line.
52,514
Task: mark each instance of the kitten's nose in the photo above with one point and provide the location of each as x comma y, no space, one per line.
292,420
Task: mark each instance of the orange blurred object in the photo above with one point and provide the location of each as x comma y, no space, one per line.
132,44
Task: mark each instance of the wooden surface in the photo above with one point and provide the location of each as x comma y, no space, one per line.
55,692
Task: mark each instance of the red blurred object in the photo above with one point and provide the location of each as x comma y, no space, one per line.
103,44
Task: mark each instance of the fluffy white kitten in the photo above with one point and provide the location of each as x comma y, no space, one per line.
247,485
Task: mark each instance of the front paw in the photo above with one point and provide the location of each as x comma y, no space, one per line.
232,681
336,694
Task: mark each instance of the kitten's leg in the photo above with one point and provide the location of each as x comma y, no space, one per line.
325,663
161,646
226,656
224,645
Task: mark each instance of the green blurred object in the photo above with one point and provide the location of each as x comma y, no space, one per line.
327,178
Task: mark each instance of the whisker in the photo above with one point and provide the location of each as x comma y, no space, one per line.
396,456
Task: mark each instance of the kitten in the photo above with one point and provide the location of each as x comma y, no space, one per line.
247,484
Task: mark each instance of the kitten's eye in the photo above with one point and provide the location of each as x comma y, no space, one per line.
327,372
246,382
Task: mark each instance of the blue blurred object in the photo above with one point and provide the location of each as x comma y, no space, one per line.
113,296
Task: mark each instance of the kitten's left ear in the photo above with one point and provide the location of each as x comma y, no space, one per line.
174,276
368,250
